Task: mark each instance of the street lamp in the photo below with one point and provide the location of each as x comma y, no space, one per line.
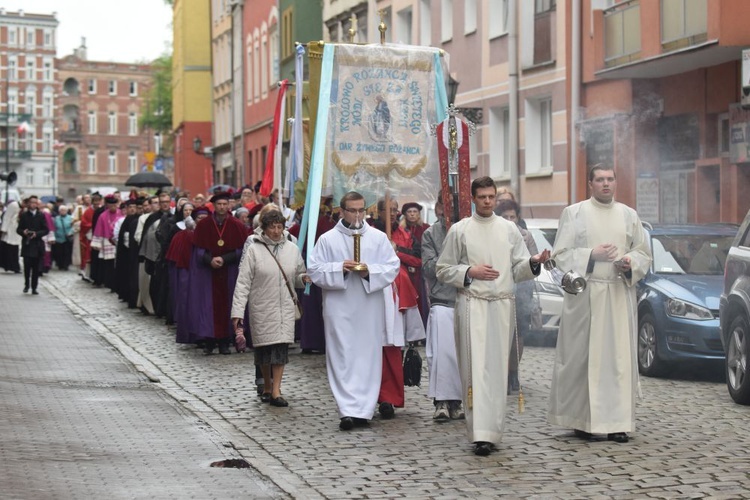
197,143
474,115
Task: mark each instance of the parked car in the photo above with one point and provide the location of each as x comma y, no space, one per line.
678,300
550,295
734,310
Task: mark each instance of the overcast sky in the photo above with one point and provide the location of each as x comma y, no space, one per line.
115,30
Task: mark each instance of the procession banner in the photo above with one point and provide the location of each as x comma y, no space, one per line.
382,105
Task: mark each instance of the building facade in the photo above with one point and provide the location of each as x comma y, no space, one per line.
262,45
100,105
28,100
662,103
192,96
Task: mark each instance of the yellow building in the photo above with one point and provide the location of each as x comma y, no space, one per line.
191,94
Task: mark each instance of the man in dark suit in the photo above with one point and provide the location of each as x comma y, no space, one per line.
32,226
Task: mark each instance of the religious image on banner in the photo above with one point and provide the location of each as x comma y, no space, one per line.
382,108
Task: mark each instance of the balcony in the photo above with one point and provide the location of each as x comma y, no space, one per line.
15,154
14,118
74,135
622,34
684,23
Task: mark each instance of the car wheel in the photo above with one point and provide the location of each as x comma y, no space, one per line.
649,363
738,354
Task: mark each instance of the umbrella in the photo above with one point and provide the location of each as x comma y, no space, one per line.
148,179
219,187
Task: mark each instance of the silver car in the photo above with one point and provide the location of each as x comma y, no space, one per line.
550,294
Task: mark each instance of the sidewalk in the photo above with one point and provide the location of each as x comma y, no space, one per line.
77,421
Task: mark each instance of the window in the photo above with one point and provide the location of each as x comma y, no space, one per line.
29,176
48,38
92,122
46,140
446,20
47,176
92,86
47,105
112,123
31,102
30,140
13,101
92,162
47,74
264,64
112,162
287,30
499,143
132,124
133,89
112,87
425,22
498,22
132,162
538,152
256,69
470,16
723,134
30,37
622,34
249,72
541,6
12,35
403,26
683,19
12,68
31,69
274,36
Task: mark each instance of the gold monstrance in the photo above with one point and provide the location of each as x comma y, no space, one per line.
361,266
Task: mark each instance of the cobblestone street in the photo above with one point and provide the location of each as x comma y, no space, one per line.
691,440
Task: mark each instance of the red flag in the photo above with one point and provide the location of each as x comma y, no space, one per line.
266,186
464,169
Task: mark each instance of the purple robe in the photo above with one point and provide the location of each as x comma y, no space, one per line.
201,304
312,329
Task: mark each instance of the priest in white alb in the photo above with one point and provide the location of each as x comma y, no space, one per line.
483,257
358,309
595,376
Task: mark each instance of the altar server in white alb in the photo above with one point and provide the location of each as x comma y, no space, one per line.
358,309
595,377
483,257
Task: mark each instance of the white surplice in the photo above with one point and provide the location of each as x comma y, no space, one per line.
358,314
484,315
595,377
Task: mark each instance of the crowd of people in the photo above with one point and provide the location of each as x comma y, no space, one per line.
226,271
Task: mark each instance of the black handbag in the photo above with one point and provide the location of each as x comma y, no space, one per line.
412,367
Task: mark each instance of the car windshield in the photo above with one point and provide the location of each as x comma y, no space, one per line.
544,237
690,254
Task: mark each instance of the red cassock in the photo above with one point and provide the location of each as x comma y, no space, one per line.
407,291
206,239
87,220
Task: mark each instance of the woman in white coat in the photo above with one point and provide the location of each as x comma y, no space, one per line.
263,285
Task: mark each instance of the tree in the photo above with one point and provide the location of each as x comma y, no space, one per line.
157,115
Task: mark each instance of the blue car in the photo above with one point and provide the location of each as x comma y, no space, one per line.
678,300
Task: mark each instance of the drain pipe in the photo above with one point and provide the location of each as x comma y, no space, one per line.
575,95
513,93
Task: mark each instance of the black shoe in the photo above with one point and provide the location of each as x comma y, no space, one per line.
26,289
224,349
482,448
34,292
386,411
346,424
280,402
582,434
618,437
265,397
208,350
360,422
